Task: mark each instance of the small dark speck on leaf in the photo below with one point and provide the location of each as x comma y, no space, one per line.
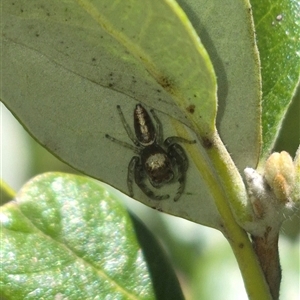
110,85
21,10
48,14
166,83
207,143
93,59
37,35
241,245
191,108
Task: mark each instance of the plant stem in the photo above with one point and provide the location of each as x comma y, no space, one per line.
233,210
230,196
266,249
253,277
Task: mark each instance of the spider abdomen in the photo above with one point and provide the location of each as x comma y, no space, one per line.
143,126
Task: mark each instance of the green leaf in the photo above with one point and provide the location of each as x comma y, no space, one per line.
278,37
72,73
289,135
227,33
69,66
114,51
66,236
6,192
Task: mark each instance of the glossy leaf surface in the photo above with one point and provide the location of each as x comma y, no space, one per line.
65,236
278,38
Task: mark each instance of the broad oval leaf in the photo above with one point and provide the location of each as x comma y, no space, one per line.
278,39
65,75
158,63
226,31
65,236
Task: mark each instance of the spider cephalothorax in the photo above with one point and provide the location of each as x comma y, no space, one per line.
160,161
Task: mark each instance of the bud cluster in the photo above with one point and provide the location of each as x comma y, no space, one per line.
274,193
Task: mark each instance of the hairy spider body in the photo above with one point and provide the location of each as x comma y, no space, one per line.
143,126
159,161
157,164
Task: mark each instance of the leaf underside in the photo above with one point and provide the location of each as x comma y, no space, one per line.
69,64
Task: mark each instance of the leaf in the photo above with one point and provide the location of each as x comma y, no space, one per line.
227,33
6,192
278,38
107,56
66,75
71,75
289,135
66,236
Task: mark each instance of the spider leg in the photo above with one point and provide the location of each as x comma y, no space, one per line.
130,174
124,144
159,133
127,127
181,187
180,159
139,177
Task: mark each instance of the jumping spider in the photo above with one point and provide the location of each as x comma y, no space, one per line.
160,161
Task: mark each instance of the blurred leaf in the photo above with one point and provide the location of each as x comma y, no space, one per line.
66,236
226,283
277,26
164,281
227,33
6,192
289,134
